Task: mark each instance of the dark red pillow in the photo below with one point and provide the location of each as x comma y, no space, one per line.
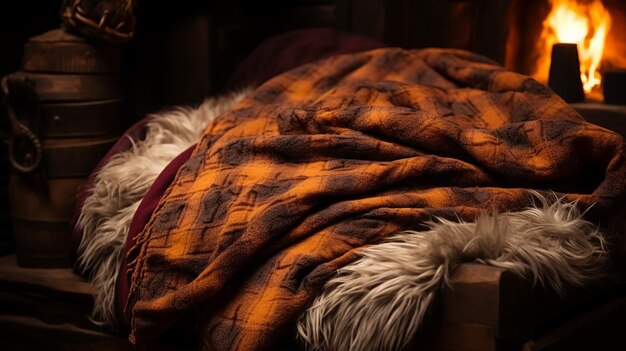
289,50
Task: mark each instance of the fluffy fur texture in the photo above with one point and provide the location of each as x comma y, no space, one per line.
378,302
120,186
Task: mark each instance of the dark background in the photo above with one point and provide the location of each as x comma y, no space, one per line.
182,52
185,50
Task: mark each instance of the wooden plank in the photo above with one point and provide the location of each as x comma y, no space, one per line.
467,337
58,279
599,329
30,333
48,305
515,313
483,308
473,296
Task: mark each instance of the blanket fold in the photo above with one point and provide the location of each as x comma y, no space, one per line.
319,162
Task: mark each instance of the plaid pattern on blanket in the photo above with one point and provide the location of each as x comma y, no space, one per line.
288,186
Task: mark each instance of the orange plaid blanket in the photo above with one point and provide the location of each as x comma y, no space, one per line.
320,161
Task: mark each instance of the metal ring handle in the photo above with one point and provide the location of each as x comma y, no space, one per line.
24,133
19,131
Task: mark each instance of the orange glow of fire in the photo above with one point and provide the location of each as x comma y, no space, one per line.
587,26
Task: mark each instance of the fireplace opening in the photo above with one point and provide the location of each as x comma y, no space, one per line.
596,27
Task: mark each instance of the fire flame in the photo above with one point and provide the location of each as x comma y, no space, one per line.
586,25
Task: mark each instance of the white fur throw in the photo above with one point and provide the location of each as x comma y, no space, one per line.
120,186
379,302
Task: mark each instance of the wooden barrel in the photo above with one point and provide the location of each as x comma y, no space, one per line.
78,119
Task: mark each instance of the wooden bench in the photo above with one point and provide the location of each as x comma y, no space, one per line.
488,308
485,308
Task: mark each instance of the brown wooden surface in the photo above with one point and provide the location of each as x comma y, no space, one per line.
49,309
487,308
482,306
28,327
58,279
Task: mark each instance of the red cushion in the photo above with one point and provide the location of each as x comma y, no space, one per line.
289,50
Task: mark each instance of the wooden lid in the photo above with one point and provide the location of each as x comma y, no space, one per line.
58,51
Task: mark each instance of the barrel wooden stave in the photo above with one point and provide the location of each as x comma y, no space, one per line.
75,157
42,244
41,211
81,119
